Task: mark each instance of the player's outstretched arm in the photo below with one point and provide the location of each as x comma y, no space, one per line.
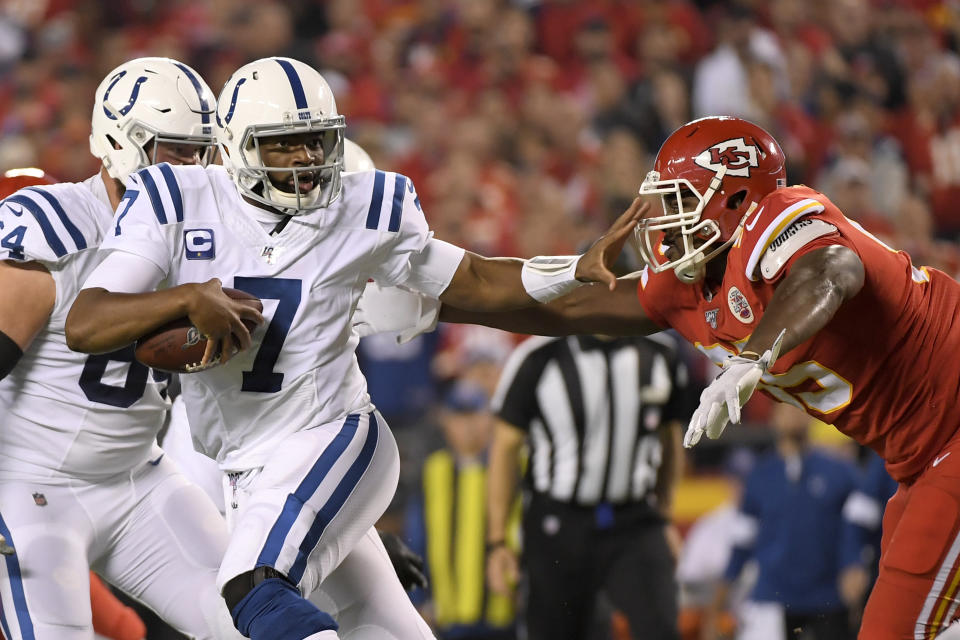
805,301
591,309
500,284
27,296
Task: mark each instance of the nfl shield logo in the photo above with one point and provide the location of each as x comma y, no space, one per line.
270,255
711,317
40,499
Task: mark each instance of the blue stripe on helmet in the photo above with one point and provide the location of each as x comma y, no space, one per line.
174,188
154,194
295,501
78,240
295,83
398,186
16,590
376,201
204,107
336,501
233,104
48,233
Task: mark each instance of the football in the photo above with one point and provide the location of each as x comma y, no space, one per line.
177,346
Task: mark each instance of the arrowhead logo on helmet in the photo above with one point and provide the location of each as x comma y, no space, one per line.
736,155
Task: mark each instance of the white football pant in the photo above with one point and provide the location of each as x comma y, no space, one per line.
149,532
309,513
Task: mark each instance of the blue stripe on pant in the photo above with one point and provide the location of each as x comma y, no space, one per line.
16,590
318,472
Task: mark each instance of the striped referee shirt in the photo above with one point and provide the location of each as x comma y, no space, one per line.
592,409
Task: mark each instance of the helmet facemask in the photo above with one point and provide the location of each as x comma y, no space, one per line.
254,175
150,150
701,239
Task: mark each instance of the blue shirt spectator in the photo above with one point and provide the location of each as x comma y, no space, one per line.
801,541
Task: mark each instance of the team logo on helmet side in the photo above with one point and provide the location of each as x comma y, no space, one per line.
735,154
739,306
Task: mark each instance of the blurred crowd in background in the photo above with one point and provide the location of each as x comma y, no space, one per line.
528,125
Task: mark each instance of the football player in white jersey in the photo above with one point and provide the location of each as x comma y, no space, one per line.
289,417
204,472
82,482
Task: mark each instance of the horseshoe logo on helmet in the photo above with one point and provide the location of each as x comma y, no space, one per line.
108,108
735,154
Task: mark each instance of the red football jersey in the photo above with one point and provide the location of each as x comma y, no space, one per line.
883,370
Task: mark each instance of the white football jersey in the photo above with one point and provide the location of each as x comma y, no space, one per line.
301,370
68,413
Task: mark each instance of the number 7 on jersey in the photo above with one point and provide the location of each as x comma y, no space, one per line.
286,291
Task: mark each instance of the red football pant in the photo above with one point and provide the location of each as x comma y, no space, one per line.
918,589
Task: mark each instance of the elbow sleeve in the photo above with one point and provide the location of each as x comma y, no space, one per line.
10,354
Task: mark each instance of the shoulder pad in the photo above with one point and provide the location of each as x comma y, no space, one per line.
790,240
776,215
47,223
384,193
160,184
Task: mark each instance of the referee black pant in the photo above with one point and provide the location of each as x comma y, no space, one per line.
572,554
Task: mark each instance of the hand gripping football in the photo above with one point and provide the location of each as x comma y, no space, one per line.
178,347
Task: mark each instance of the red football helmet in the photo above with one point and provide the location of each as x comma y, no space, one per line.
16,179
726,165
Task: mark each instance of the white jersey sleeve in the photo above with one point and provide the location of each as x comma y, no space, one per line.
402,226
122,272
35,227
153,199
58,226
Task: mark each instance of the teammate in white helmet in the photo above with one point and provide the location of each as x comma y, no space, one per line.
289,417
82,483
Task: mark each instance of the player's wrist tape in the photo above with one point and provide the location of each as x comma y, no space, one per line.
547,278
10,354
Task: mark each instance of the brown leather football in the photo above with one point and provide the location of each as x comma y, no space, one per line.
178,347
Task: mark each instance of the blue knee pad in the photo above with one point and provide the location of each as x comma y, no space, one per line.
275,610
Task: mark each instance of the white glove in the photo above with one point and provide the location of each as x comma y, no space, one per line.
720,402
395,310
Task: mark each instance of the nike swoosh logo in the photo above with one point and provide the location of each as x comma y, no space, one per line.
753,223
940,459
157,461
14,211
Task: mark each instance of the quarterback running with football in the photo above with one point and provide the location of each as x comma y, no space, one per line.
313,465
787,295
82,481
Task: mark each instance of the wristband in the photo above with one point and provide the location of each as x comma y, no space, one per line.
547,278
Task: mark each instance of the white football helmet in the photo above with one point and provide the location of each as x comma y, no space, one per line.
149,100
355,158
277,97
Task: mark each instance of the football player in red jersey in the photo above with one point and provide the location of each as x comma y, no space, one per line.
787,295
